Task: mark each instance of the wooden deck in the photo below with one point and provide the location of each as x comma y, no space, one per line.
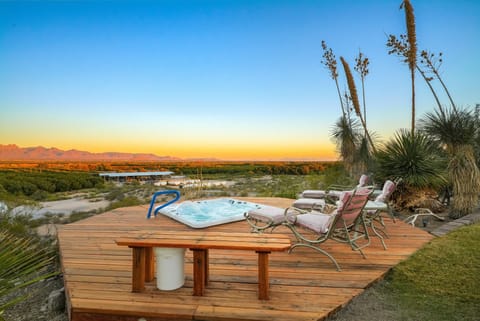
304,285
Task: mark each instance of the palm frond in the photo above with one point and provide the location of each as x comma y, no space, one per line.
23,261
450,128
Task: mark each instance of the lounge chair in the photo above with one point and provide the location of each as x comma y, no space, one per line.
333,190
269,217
345,224
374,210
316,199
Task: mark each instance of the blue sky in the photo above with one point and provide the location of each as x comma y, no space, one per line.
224,79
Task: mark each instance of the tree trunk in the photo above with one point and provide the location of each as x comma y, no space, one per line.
465,177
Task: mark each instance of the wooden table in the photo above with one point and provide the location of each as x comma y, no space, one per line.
200,242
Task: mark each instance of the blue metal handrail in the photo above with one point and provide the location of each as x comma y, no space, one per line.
152,203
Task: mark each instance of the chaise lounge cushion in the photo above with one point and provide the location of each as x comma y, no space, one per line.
309,203
313,194
315,221
274,215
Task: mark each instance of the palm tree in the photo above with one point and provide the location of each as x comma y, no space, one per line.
456,131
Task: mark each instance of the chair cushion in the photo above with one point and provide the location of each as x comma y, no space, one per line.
387,190
373,207
335,194
275,215
362,181
313,194
343,199
315,221
309,203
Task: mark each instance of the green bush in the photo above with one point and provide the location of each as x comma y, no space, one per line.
126,202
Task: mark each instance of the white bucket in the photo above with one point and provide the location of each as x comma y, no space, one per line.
170,268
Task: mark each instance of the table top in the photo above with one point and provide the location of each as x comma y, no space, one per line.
206,240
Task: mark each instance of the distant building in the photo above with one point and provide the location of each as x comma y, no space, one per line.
139,176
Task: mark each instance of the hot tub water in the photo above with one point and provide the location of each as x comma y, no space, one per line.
201,214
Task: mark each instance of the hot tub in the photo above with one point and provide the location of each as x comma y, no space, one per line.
201,214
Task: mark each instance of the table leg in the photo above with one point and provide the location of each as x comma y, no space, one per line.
206,267
149,264
263,277
200,269
138,269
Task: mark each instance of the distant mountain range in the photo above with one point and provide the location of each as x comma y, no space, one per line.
14,153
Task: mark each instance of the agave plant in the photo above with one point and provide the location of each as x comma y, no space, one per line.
418,161
23,261
456,131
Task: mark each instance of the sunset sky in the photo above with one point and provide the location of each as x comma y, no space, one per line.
233,80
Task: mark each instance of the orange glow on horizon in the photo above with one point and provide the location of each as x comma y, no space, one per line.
294,152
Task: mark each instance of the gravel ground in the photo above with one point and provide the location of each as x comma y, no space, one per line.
34,308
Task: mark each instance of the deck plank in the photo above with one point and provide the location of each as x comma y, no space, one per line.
304,285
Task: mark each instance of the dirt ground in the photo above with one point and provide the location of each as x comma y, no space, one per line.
370,305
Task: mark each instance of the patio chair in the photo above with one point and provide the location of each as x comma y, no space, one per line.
345,224
333,190
269,217
374,210
316,199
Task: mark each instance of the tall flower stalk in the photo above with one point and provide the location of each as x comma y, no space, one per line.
354,96
433,63
330,62
361,67
412,51
399,46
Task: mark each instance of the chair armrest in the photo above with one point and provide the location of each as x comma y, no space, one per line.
336,187
292,217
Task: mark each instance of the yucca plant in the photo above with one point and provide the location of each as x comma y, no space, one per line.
346,134
23,261
456,130
363,157
418,161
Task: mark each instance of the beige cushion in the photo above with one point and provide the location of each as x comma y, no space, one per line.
315,221
309,203
313,194
275,215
